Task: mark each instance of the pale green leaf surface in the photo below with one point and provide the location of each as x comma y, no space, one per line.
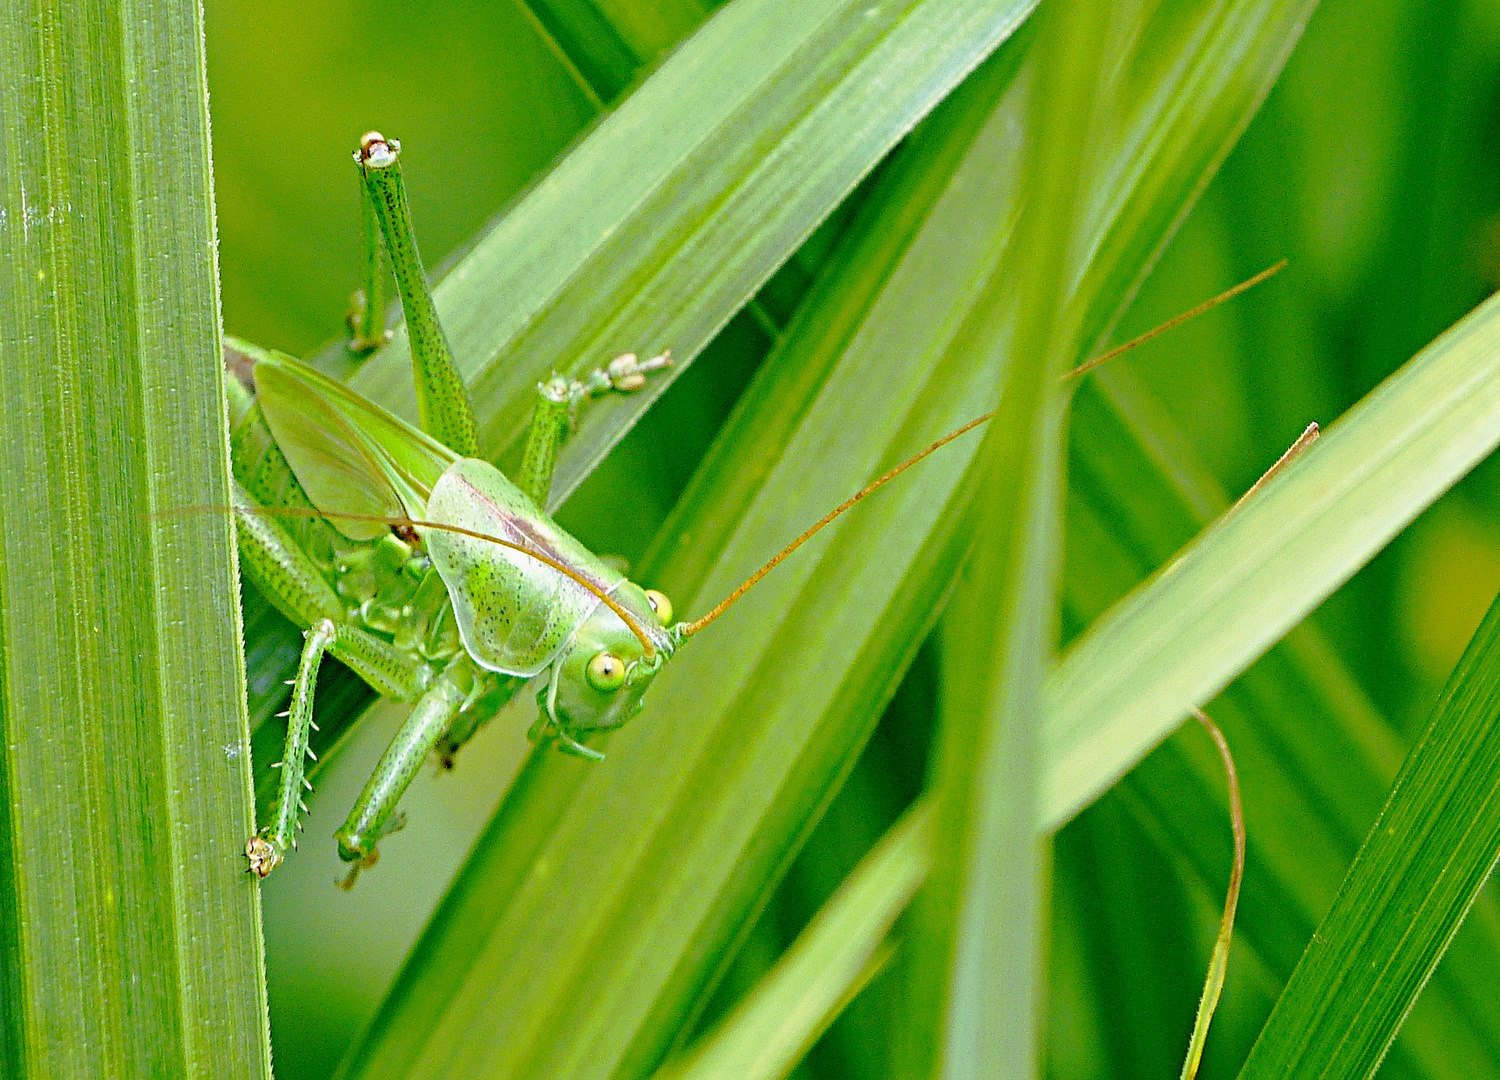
580,937
1179,639
827,965
981,910
1410,886
129,931
667,217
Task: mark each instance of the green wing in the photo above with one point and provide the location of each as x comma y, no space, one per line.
349,454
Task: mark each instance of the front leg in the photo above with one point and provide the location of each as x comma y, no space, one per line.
558,402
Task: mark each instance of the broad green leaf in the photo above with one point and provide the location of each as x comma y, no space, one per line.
1412,883
1180,638
981,911
665,220
129,932
828,964
584,933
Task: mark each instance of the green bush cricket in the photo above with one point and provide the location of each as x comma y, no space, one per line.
433,576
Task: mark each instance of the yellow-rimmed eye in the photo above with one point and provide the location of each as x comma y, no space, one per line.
606,672
661,605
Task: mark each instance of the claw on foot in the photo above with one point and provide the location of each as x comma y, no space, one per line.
262,854
627,373
347,881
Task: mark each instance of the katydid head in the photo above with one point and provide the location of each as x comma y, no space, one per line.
600,678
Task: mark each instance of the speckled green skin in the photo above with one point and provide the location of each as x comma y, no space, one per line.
517,615
442,401
514,612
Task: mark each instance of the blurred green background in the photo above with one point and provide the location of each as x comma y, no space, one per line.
1374,167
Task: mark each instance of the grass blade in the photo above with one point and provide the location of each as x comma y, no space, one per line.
1410,886
751,116
1312,788
974,965
828,964
1179,639
129,932
576,940
725,750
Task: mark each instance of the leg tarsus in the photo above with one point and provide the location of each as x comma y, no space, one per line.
347,881
270,845
558,402
625,374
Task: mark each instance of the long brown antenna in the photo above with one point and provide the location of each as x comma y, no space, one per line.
874,485
613,605
1307,438
817,526
1177,320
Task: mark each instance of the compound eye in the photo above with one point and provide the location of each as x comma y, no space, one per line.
661,605
606,672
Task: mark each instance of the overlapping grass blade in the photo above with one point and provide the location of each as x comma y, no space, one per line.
1410,886
981,911
827,965
582,935
648,839
1317,756
1179,639
665,220
129,933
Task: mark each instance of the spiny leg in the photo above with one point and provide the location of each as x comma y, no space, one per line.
374,815
558,401
269,846
442,402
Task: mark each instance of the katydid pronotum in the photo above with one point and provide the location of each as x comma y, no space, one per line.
433,576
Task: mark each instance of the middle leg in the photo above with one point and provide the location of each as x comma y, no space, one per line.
557,405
